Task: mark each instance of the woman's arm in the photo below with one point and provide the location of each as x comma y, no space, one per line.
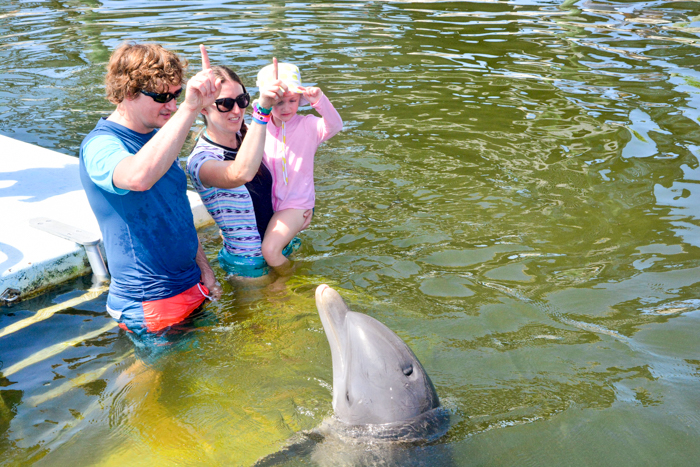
232,174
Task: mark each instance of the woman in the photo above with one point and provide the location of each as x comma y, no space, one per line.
226,170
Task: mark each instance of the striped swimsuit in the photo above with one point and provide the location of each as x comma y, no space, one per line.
241,213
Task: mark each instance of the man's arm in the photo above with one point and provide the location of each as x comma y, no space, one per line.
142,170
208,277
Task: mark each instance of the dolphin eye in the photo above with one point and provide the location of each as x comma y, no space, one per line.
408,370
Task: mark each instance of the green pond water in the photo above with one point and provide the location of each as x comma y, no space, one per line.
515,193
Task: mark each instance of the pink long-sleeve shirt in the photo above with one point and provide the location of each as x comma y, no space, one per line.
304,134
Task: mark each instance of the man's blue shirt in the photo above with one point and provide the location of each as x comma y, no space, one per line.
149,236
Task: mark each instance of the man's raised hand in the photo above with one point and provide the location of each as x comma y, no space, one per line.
205,58
203,88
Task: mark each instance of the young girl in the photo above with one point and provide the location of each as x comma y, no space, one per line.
290,146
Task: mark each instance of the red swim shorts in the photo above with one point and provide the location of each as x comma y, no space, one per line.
157,315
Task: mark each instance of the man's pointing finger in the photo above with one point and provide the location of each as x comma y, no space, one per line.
205,57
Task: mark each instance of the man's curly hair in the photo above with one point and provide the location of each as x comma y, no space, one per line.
142,67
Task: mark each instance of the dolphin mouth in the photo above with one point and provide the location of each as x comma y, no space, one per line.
320,289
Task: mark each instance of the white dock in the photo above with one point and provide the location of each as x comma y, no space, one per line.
37,182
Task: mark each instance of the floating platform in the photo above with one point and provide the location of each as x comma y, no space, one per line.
37,185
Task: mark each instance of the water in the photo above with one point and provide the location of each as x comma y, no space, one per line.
515,193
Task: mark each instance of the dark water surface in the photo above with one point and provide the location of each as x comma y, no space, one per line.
515,193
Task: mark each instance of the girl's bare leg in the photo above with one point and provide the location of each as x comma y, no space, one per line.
283,226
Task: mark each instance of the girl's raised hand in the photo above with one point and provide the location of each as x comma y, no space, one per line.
312,94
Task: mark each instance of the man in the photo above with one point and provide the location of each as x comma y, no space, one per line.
130,171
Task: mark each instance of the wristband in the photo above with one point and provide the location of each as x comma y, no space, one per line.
257,108
260,118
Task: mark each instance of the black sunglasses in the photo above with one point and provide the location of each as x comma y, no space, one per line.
163,97
226,104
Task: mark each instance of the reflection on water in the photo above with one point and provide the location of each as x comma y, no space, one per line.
513,194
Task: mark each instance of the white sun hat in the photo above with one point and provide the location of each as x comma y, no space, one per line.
288,73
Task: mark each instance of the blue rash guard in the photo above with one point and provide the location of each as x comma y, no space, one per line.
149,236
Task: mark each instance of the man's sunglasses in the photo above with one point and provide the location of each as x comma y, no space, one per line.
226,104
163,97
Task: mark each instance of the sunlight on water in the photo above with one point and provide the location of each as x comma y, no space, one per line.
514,194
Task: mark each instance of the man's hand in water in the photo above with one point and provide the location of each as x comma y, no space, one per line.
209,281
312,94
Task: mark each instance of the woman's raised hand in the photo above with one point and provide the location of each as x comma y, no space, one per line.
203,88
271,93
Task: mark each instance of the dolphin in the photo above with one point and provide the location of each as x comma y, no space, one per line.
377,380
386,409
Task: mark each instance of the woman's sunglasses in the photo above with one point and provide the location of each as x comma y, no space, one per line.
226,104
163,97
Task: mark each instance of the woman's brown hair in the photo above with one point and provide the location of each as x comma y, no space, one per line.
142,67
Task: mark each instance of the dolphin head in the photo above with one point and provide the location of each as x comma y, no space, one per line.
376,377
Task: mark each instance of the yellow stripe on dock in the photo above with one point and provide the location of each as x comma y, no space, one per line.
50,311
78,381
56,349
